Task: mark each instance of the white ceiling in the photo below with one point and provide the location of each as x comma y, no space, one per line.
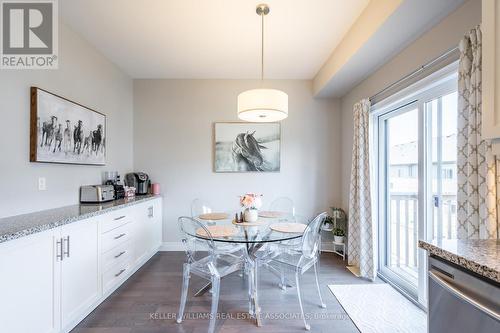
196,39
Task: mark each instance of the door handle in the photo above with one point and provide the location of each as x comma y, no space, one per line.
66,240
454,290
120,236
59,250
119,217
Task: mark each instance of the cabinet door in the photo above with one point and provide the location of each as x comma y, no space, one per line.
148,228
491,69
29,296
156,223
80,288
141,235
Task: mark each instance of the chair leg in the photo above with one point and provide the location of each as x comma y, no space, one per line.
282,278
215,302
297,281
185,286
323,305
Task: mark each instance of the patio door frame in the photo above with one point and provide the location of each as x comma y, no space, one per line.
439,83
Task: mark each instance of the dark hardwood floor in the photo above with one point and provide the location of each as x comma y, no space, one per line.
149,301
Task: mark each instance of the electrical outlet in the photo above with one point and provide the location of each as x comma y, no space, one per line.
42,184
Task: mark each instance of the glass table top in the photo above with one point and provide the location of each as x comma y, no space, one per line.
261,232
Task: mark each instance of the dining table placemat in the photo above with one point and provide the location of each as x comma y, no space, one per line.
249,224
271,214
218,231
288,227
213,216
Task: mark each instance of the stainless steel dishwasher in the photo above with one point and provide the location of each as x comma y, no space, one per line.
460,302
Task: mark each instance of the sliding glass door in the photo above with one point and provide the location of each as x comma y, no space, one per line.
415,140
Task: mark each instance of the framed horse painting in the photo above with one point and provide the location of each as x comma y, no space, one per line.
247,147
65,132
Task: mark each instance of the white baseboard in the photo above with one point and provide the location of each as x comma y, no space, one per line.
171,246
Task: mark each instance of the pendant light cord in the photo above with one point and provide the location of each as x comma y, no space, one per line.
262,53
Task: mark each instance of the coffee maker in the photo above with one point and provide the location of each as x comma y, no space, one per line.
139,180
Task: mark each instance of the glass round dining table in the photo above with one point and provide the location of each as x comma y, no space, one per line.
264,230
253,237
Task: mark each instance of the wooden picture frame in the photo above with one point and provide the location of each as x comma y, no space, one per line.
65,132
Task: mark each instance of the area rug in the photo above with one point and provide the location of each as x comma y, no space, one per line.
379,308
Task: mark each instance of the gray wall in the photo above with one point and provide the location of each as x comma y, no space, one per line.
444,36
173,125
84,76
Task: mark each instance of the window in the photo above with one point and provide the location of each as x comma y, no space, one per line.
415,137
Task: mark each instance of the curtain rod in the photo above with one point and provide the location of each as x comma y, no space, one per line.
415,72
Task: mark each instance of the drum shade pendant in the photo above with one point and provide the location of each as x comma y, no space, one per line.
262,105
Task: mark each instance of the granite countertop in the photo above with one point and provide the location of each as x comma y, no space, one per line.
23,225
480,256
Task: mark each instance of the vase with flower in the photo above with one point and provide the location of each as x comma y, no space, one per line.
251,202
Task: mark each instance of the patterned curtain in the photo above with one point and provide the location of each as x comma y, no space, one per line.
360,251
476,192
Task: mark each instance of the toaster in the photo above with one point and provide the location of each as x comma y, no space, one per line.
96,193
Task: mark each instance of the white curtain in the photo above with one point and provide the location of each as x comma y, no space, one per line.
360,247
476,192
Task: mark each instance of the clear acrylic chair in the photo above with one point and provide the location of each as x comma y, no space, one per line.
211,265
284,205
302,259
199,207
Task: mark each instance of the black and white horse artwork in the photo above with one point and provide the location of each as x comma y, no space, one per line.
48,128
67,136
87,143
247,153
78,137
97,139
66,132
247,147
58,138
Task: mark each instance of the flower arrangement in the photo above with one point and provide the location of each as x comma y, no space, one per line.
251,201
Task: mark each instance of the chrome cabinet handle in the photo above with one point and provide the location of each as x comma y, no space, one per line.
120,236
120,254
66,240
119,273
119,217
458,293
59,250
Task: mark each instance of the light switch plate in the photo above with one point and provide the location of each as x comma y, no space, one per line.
42,184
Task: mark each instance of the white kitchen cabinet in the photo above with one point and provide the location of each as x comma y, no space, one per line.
491,69
80,276
51,280
29,284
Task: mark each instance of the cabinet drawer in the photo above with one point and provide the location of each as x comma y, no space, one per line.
116,237
115,220
117,255
116,274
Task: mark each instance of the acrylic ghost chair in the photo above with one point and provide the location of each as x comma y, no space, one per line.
212,266
303,258
286,206
283,205
199,207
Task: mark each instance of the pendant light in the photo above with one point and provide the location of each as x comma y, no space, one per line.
262,105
